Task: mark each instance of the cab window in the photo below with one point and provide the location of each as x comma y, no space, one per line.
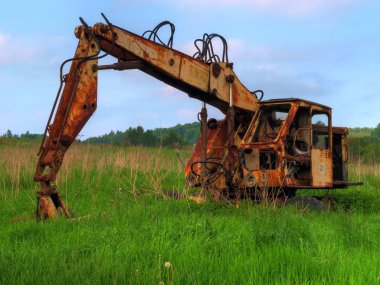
271,120
320,128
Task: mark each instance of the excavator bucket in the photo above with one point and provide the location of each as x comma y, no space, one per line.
50,205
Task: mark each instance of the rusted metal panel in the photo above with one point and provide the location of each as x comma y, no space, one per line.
263,178
216,139
252,160
300,102
194,71
170,61
321,173
345,157
242,97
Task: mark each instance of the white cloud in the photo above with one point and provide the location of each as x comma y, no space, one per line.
35,52
3,39
15,49
324,52
283,82
242,53
276,69
186,114
288,7
147,115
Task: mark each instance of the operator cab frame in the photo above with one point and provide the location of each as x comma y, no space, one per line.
293,142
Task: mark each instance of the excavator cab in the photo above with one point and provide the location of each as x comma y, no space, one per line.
287,144
291,142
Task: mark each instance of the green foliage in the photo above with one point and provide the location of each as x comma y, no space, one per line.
171,139
137,136
320,123
360,132
25,136
179,135
29,136
365,147
187,132
128,242
149,139
376,132
8,134
111,138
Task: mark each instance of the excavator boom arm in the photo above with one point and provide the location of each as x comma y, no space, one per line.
213,83
204,81
78,102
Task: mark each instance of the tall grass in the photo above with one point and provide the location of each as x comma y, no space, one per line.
88,164
131,230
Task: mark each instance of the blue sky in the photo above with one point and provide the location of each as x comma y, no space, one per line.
323,51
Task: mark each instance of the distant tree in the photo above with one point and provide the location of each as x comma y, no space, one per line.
140,133
8,134
371,152
172,139
185,134
320,123
189,133
134,136
376,132
149,139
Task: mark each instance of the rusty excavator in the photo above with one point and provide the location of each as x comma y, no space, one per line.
280,145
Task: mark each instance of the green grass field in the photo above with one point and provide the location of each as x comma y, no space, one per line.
132,233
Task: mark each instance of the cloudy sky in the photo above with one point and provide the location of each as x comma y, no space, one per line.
326,51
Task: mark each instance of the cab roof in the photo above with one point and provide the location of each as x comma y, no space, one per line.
291,100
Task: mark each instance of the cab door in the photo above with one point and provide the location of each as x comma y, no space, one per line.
321,150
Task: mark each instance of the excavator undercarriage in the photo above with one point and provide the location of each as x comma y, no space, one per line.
273,146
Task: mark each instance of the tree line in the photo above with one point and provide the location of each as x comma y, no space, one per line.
363,143
25,136
179,135
366,147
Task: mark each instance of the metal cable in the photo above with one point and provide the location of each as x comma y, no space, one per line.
153,34
205,49
254,93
